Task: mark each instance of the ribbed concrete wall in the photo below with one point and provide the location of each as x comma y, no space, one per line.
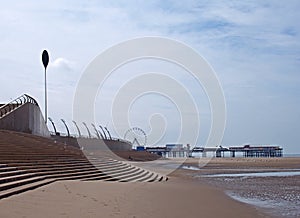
94,144
27,118
97,144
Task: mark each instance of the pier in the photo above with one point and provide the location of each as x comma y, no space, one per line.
257,151
232,151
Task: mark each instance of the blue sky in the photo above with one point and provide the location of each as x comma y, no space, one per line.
253,46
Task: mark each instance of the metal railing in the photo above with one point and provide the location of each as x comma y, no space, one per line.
14,104
96,134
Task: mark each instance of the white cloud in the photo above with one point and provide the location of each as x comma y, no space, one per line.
62,63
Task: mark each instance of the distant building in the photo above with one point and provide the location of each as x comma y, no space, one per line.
174,146
140,148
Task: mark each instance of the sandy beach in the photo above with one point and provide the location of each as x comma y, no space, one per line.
175,198
185,194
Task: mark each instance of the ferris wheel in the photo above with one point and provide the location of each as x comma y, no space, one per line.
136,136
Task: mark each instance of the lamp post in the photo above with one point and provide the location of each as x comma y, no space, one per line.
45,60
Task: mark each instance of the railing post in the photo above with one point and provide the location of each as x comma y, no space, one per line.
108,133
79,133
103,131
64,122
90,136
52,125
96,131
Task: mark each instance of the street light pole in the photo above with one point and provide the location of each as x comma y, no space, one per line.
45,60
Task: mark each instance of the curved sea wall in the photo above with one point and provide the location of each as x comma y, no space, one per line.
27,118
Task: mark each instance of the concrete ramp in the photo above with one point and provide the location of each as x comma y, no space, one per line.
23,115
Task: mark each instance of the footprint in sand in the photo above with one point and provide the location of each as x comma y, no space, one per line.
80,195
94,199
68,190
104,204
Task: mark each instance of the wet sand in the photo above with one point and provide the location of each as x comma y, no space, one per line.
270,184
184,195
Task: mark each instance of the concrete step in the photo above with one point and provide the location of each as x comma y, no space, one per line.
7,169
147,175
55,167
155,178
61,173
146,178
18,163
24,188
99,163
135,177
127,174
122,171
49,162
17,183
73,174
44,171
112,167
12,172
78,176
12,178
53,170
118,170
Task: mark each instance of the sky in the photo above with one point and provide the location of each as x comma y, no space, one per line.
253,47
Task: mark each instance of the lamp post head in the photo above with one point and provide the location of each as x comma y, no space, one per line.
45,58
